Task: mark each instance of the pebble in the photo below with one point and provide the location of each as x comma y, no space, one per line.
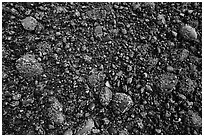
112,131
158,130
68,132
174,33
161,19
168,82
124,31
91,106
98,31
89,124
14,103
182,96
170,68
121,103
29,23
184,55
107,84
105,96
17,97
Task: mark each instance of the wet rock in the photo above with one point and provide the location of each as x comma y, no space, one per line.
105,96
188,33
121,103
168,82
28,66
89,124
29,23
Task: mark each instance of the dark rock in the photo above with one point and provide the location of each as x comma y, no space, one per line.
112,131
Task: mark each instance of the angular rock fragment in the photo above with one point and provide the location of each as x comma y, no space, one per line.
121,103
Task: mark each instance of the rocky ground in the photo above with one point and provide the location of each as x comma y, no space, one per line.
101,68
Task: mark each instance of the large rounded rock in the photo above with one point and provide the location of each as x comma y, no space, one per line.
188,33
28,66
29,23
105,96
121,103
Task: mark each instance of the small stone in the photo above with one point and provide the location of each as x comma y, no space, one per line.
184,55
168,82
95,131
106,121
124,31
89,124
174,33
182,96
29,23
158,130
98,31
188,33
17,97
91,106
107,84
105,96
112,131
68,132
161,19
121,103
195,119
14,103
170,68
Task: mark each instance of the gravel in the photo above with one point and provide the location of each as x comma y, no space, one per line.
119,68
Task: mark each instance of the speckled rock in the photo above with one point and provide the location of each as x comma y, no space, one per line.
121,103
105,96
28,66
167,82
55,111
29,23
96,78
195,119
